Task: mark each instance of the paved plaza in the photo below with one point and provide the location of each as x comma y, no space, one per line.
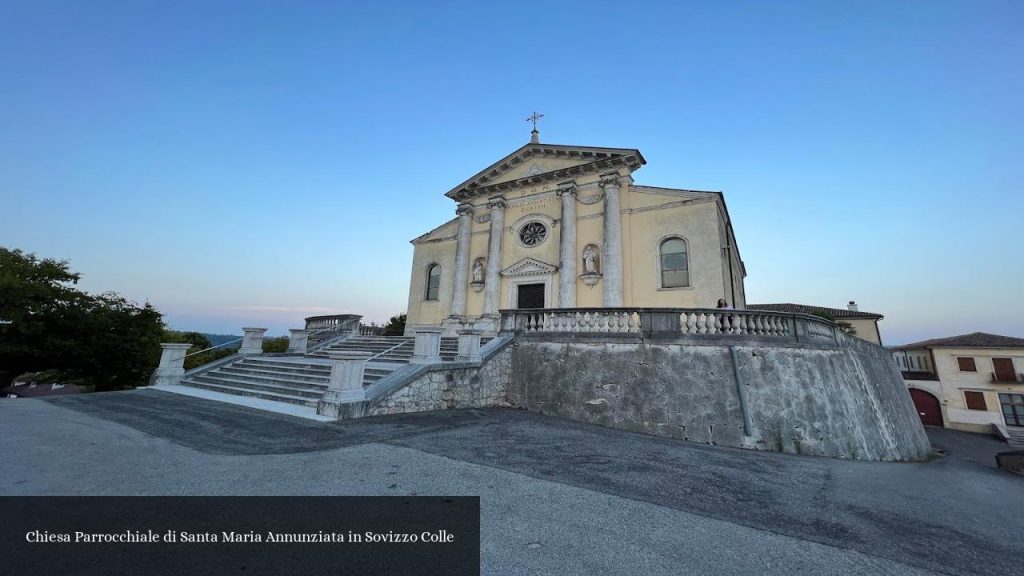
557,497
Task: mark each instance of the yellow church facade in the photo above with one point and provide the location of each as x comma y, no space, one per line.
555,226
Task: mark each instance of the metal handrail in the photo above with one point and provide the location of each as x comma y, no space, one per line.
215,347
399,345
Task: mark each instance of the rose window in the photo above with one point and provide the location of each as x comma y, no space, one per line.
533,233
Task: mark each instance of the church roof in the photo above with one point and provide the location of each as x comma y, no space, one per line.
972,340
588,159
837,313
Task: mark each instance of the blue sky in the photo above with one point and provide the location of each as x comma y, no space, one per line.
252,163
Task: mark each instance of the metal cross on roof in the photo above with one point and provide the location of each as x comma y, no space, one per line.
534,118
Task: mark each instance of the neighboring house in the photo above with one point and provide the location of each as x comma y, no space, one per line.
865,324
555,226
967,382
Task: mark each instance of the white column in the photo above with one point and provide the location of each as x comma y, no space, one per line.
567,247
469,345
298,340
347,368
612,240
492,280
465,213
172,364
252,341
427,346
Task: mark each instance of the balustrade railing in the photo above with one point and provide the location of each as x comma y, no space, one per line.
324,328
683,321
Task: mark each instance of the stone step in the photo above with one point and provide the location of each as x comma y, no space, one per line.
290,372
254,394
245,375
304,390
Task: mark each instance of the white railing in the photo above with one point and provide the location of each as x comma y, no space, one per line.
683,321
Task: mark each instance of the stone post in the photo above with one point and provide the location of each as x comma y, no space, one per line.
492,281
252,341
469,346
172,364
567,246
465,213
298,340
612,240
427,346
346,385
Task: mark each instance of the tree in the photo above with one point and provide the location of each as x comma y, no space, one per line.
101,340
395,325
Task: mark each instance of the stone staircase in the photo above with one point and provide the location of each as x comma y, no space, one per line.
303,379
391,349
1016,435
296,379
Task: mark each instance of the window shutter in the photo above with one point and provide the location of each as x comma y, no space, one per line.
966,364
975,400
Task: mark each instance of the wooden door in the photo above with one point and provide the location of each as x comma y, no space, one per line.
530,296
927,406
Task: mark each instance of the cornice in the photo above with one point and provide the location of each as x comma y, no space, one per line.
630,160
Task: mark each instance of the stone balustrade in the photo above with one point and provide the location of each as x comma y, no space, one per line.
681,321
334,322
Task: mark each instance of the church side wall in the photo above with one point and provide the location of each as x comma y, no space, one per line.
643,233
847,401
423,311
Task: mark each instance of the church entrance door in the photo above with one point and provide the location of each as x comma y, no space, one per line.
530,296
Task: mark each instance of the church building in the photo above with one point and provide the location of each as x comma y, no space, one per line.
557,226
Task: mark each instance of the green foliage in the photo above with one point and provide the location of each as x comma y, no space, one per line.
102,340
395,325
199,343
279,344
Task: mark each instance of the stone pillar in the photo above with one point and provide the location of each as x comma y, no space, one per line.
346,385
492,281
252,341
465,213
469,346
298,340
612,266
172,364
567,247
427,346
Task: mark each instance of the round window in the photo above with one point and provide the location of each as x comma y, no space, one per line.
533,233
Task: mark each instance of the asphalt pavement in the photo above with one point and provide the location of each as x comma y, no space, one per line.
557,497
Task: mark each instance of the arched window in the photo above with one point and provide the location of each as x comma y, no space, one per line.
433,281
675,265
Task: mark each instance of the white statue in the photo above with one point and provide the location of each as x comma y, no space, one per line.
478,271
589,260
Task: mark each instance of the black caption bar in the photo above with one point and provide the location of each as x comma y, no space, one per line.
240,535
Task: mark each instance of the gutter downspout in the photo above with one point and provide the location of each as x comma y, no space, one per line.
741,393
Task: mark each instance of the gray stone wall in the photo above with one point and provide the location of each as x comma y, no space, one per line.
480,387
845,401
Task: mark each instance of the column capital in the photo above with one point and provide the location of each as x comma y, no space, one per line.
464,209
496,203
609,179
566,188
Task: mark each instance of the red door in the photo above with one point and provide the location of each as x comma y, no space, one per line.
927,407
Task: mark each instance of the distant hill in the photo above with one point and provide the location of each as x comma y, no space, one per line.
218,339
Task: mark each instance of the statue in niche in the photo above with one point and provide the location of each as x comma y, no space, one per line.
589,260
478,271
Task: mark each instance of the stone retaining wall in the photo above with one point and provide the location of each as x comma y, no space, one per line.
845,400
478,387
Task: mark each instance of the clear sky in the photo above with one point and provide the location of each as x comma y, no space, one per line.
253,163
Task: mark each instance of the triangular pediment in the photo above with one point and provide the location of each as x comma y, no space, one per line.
529,267
537,162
